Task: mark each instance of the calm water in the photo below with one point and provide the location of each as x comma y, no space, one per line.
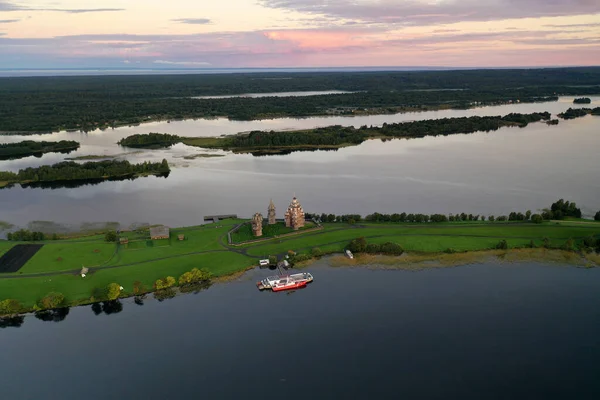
479,332
484,173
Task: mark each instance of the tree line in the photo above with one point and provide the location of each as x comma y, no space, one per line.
560,209
32,148
70,170
42,104
25,235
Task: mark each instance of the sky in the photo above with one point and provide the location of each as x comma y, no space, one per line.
297,33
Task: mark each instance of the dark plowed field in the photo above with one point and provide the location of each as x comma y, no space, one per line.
14,259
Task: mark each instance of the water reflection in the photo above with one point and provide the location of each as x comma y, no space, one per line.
56,315
14,321
107,307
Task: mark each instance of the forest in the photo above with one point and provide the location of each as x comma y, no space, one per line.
582,100
44,104
26,148
150,141
71,171
573,113
337,136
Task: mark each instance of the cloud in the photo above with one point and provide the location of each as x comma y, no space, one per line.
193,21
10,6
591,25
420,12
8,21
182,63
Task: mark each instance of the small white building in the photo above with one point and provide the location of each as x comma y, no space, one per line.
264,263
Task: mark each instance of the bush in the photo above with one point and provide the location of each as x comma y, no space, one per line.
569,245
10,306
450,250
546,242
194,276
165,283
52,300
391,249
138,288
111,236
537,219
502,245
113,291
358,245
316,252
589,242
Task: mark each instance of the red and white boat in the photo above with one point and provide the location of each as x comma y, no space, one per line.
285,282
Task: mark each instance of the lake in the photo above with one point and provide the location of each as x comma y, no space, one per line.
483,173
487,331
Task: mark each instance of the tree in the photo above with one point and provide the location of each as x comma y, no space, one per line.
52,300
10,306
164,283
537,219
528,215
491,218
358,245
113,291
502,245
597,216
111,236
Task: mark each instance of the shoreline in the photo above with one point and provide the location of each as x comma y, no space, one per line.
406,262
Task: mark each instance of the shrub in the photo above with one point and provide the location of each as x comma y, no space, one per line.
391,248
589,242
10,306
316,252
569,245
111,236
450,250
537,219
502,245
194,276
373,248
546,242
164,283
113,291
52,300
138,288
358,245
532,244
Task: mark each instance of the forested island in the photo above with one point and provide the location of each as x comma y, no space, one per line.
333,137
150,141
90,171
573,113
582,100
26,148
42,104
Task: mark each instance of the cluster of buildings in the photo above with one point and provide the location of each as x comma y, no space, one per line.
294,217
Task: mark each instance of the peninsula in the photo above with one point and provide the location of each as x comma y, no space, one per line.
35,273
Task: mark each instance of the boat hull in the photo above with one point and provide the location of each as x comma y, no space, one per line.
296,285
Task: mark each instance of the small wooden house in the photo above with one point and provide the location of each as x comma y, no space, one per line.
123,240
181,237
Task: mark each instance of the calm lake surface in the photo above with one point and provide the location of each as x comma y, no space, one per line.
489,331
483,173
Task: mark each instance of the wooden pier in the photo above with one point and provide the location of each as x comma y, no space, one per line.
216,218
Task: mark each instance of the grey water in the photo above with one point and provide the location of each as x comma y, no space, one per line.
494,173
487,331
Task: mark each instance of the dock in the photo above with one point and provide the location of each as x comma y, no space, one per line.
216,218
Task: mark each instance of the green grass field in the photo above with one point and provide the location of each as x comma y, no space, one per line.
206,247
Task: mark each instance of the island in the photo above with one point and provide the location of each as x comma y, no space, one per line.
335,137
582,100
70,171
573,113
26,148
48,272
